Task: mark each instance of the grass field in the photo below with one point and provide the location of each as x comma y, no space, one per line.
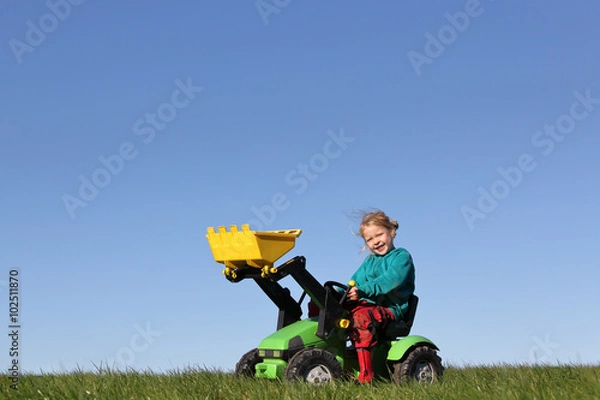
484,382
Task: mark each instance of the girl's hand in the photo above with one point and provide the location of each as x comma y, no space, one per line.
353,294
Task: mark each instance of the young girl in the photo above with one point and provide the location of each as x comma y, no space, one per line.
384,282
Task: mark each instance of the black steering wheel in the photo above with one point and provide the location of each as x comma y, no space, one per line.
339,296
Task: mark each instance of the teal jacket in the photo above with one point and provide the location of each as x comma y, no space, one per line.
387,280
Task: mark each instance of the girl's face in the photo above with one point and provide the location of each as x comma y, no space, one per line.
379,240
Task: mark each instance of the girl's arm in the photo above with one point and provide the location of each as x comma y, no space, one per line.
399,270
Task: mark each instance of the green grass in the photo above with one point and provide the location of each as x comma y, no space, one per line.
484,382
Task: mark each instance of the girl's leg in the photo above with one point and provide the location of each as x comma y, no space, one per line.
365,363
366,319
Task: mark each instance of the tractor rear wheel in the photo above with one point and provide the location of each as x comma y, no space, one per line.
246,366
314,366
422,365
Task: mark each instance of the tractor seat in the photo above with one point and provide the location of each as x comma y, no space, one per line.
397,329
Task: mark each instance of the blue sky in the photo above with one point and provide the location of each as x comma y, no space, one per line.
128,130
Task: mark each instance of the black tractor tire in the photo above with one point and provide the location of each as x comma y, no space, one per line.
245,368
314,366
422,365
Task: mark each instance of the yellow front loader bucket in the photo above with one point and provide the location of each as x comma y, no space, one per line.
245,248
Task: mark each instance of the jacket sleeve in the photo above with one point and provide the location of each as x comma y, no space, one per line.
398,272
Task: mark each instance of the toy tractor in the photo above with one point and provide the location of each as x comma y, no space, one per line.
314,349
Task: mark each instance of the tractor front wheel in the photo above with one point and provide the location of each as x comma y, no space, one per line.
246,367
314,366
422,365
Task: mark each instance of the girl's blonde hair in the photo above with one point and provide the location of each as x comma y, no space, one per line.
378,218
